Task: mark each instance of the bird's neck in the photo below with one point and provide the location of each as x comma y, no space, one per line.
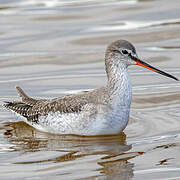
119,86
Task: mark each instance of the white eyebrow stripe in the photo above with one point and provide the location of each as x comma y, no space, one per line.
133,54
129,51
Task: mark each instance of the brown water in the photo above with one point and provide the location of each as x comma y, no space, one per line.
51,48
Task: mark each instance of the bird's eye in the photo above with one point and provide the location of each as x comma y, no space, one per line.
125,52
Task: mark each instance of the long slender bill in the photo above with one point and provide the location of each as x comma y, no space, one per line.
143,64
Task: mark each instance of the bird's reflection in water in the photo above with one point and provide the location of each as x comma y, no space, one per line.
110,152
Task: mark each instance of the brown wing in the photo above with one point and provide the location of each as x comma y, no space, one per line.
26,99
31,108
66,104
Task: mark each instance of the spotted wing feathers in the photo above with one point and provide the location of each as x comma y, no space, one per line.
32,109
24,108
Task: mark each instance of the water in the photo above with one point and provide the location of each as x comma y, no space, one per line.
51,48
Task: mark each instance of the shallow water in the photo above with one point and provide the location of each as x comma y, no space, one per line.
51,48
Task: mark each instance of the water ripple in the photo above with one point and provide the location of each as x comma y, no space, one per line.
129,25
60,3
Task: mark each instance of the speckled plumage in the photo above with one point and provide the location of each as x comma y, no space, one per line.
101,111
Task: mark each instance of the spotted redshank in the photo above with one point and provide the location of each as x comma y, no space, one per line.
101,111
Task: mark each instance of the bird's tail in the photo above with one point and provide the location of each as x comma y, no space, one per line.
18,107
23,108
